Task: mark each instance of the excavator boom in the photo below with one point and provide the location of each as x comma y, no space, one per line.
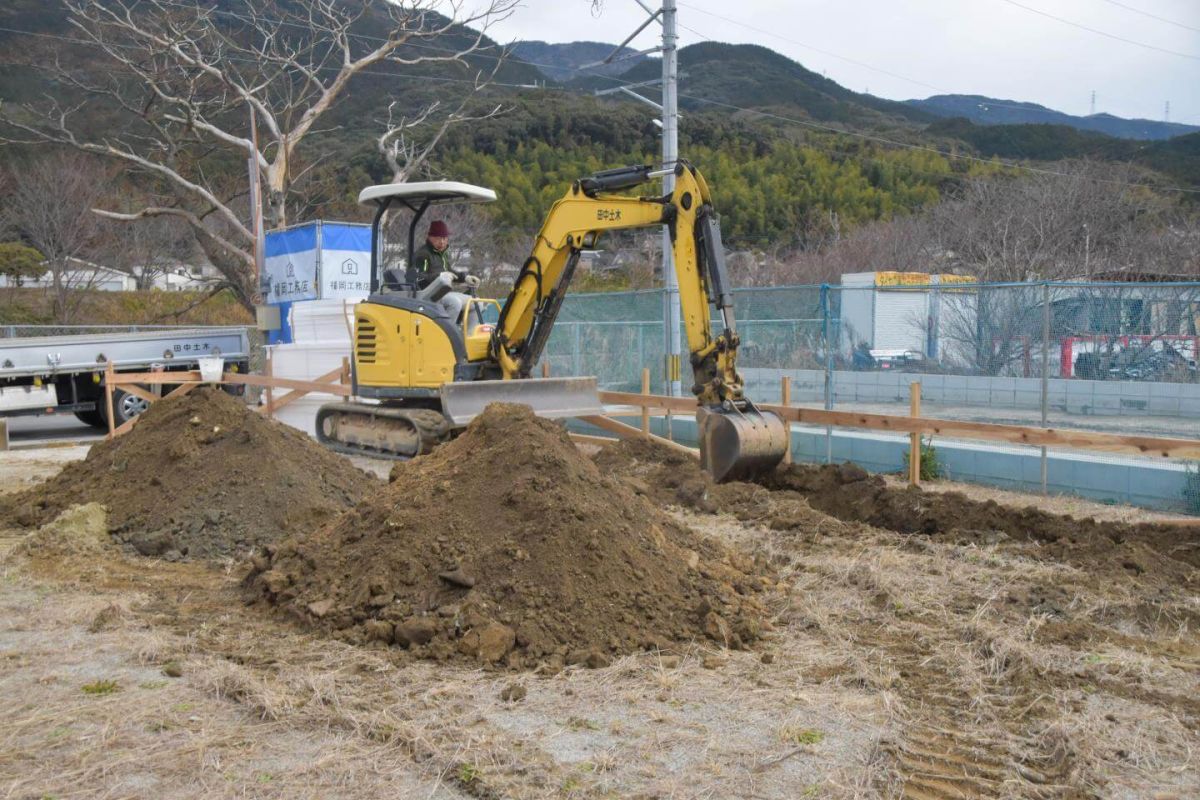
736,439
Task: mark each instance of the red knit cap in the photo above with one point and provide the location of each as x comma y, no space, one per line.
439,228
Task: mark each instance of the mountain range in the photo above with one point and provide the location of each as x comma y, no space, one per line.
760,77
990,111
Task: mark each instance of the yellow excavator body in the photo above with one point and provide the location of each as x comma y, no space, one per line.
400,348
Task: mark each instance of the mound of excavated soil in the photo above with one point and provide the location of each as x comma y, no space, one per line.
201,475
508,545
671,477
786,500
1163,552
78,531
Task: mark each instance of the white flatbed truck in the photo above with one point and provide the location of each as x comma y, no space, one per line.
65,374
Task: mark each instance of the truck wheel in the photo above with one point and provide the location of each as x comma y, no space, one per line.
95,418
126,406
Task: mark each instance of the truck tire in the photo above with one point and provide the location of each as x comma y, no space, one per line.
95,418
126,406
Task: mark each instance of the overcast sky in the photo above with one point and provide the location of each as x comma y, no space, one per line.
988,47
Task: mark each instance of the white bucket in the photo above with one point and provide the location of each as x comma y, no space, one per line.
211,368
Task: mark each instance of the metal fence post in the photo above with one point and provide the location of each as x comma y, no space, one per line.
828,369
1045,376
914,439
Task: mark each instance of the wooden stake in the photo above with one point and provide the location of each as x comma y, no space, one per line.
646,409
785,393
914,439
346,379
108,390
156,388
545,369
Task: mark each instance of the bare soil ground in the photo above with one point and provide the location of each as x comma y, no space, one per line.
900,666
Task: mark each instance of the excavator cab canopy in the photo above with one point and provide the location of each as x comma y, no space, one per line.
417,198
426,193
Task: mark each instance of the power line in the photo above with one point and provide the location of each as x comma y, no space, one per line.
716,103
879,139
380,39
576,70
1152,16
1098,32
807,46
244,60
831,54
930,149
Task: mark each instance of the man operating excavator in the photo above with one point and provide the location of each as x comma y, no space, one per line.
430,262
433,258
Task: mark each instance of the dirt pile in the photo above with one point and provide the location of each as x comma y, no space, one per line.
508,545
796,498
849,493
200,475
670,477
79,531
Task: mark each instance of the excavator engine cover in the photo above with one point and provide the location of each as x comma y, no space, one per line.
740,442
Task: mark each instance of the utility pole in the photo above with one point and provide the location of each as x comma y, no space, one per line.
1167,112
669,109
670,154
1093,112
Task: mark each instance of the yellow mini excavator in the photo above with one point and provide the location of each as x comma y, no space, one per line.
429,359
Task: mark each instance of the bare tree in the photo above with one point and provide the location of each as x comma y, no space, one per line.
904,244
1015,228
1045,227
408,140
185,74
50,206
151,250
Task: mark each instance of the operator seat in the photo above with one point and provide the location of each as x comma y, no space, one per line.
394,280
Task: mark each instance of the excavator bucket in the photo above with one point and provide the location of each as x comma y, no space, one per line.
736,444
462,401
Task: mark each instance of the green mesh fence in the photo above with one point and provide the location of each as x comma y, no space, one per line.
613,335
1121,333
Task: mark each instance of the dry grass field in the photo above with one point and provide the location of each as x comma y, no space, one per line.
900,665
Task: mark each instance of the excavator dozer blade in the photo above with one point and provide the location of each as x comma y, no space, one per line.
740,443
462,401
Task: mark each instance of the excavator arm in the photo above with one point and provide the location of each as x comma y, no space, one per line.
736,438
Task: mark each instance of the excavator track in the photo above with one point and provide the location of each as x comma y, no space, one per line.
381,431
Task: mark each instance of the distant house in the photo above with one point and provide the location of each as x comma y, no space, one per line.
97,277
82,275
185,278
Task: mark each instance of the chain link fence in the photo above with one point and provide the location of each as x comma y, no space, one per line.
1109,357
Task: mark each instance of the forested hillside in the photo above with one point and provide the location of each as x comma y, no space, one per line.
770,187
798,164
